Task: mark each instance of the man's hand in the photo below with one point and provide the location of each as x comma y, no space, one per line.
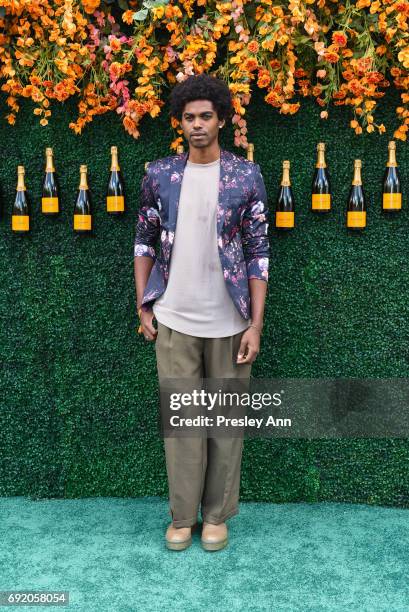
148,330
249,346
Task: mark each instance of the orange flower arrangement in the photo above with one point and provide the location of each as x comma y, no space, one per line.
54,49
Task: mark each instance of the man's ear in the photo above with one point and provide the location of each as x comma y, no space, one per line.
221,123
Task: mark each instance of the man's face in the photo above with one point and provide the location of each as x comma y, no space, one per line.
200,123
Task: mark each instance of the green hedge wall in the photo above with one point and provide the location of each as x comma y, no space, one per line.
79,395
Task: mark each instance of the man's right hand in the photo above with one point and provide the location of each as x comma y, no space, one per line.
148,330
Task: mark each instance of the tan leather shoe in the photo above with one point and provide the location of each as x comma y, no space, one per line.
179,538
214,537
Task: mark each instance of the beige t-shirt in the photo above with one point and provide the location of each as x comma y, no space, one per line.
196,300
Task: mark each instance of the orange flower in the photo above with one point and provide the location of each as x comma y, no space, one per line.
115,70
268,45
275,64
115,45
155,110
75,127
381,50
374,77
400,134
253,46
175,143
339,38
331,54
289,109
348,75
250,64
90,5
263,80
331,57
403,56
370,104
375,7
238,107
127,17
363,64
128,123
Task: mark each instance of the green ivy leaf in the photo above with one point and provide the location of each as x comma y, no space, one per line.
154,3
140,15
304,39
251,22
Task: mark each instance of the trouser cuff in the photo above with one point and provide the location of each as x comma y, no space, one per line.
185,522
214,520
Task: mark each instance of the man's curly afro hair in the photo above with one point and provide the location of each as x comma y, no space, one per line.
201,87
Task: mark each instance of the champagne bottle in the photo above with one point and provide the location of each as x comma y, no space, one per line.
285,201
49,199
82,210
115,190
356,210
20,218
250,152
392,194
321,187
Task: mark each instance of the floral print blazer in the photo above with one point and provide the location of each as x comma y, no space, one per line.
242,224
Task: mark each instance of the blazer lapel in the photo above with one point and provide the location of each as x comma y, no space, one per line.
225,173
175,186
176,183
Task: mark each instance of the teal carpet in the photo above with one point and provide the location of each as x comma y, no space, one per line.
109,554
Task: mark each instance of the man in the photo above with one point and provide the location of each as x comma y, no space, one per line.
206,289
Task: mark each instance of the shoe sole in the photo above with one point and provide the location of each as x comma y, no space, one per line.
211,546
178,545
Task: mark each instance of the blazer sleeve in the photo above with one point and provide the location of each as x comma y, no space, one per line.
255,241
148,224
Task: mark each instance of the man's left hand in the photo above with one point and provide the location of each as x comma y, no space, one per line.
249,346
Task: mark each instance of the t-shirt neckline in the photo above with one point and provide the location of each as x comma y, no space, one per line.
196,165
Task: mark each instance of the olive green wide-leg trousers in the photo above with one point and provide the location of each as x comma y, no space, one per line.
201,471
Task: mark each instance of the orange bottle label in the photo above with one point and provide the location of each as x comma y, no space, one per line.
20,223
284,218
49,205
356,218
321,201
392,200
115,203
82,222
